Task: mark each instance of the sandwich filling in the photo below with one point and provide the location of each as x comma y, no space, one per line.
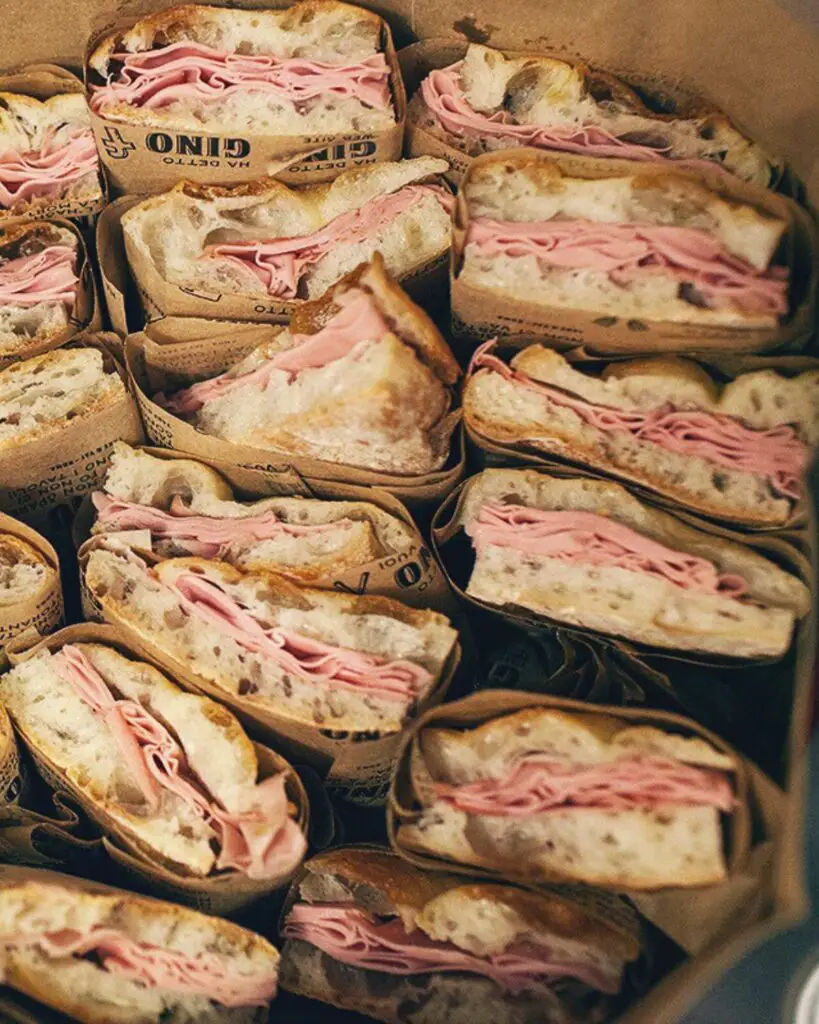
189,71
537,783
357,325
263,842
776,454
362,940
280,264
585,538
445,99
709,276
45,276
205,974
200,535
49,172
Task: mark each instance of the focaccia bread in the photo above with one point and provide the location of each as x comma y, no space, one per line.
24,572
317,67
489,101
734,452
266,240
39,280
587,553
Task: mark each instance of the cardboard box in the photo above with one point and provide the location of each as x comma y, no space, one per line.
151,158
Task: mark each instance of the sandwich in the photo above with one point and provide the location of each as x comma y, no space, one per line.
660,246
488,101
172,774
178,507
544,795
587,553
362,377
106,956
317,68
39,284
26,576
366,931
41,396
266,241
325,660
47,153
735,452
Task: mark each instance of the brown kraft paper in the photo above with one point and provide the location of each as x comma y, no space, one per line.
411,575
67,462
478,313
150,373
219,893
457,562
492,452
694,918
352,759
42,81
127,276
146,158
43,610
85,314
418,59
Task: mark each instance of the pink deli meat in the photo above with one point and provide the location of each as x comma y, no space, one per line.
47,173
46,276
205,974
776,454
537,784
303,656
193,72
202,536
280,264
357,323
353,937
263,842
445,99
627,252
590,539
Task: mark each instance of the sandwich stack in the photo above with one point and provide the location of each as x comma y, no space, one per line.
279,590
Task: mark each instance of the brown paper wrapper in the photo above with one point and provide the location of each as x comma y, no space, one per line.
153,367
86,313
217,894
135,292
412,576
692,917
490,451
478,313
150,158
60,466
455,554
42,612
42,81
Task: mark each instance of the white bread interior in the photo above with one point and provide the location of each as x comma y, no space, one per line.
59,726
645,848
506,412
385,405
628,603
479,917
529,186
21,326
319,30
90,994
24,573
42,395
365,532
26,121
171,231
145,604
545,91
